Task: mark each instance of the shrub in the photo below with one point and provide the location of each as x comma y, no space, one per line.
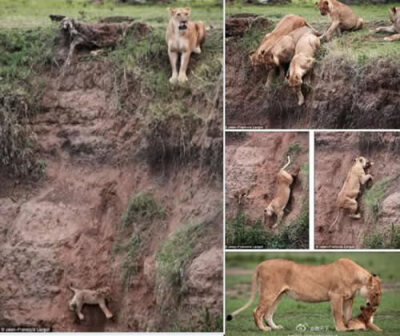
141,206
373,198
176,253
131,265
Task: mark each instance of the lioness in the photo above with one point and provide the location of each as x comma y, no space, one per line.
286,25
347,198
283,50
183,37
342,16
302,62
91,297
394,28
279,202
364,321
337,282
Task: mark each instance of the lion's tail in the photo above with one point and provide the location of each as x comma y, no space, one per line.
340,212
314,31
254,286
287,164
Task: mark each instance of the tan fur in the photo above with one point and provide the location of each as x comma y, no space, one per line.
337,282
347,198
285,26
364,321
302,62
342,16
394,28
281,198
183,37
91,297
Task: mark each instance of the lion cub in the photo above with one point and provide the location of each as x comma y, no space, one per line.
91,297
282,195
183,37
364,321
347,198
302,62
394,28
342,16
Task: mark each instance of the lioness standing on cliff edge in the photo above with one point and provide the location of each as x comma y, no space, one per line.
183,37
338,283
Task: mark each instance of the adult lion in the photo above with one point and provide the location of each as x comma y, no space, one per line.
337,282
394,28
347,197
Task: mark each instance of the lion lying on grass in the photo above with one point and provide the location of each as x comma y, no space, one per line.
338,283
279,202
91,297
347,198
183,37
394,28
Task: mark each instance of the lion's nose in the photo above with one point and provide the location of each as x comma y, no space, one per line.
368,304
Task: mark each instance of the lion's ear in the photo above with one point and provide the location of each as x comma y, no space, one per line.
188,9
393,10
374,274
171,10
326,2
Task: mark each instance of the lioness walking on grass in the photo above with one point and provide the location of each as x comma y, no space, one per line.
183,37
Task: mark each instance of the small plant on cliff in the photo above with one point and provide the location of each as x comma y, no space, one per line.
130,265
176,253
378,240
141,206
293,150
373,198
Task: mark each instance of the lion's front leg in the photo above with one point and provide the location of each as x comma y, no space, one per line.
105,310
270,78
373,327
364,179
173,58
328,34
184,65
337,311
347,310
390,29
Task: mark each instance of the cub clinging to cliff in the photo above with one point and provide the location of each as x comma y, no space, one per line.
279,202
183,37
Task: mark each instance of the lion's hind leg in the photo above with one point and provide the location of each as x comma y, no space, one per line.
270,314
259,313
352,206
104,308
392,38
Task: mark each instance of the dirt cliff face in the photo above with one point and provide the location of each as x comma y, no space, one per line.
378,201
338,93
65,228
253,161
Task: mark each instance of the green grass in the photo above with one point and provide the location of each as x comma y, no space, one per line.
176,254
373,198
141,207
358,47
34,13
378,240
131,264
290,313
239,232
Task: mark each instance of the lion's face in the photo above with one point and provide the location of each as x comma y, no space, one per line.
324,7
255,59
295,80
180,16
367,312
268,211
364,162
105,291
372,291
